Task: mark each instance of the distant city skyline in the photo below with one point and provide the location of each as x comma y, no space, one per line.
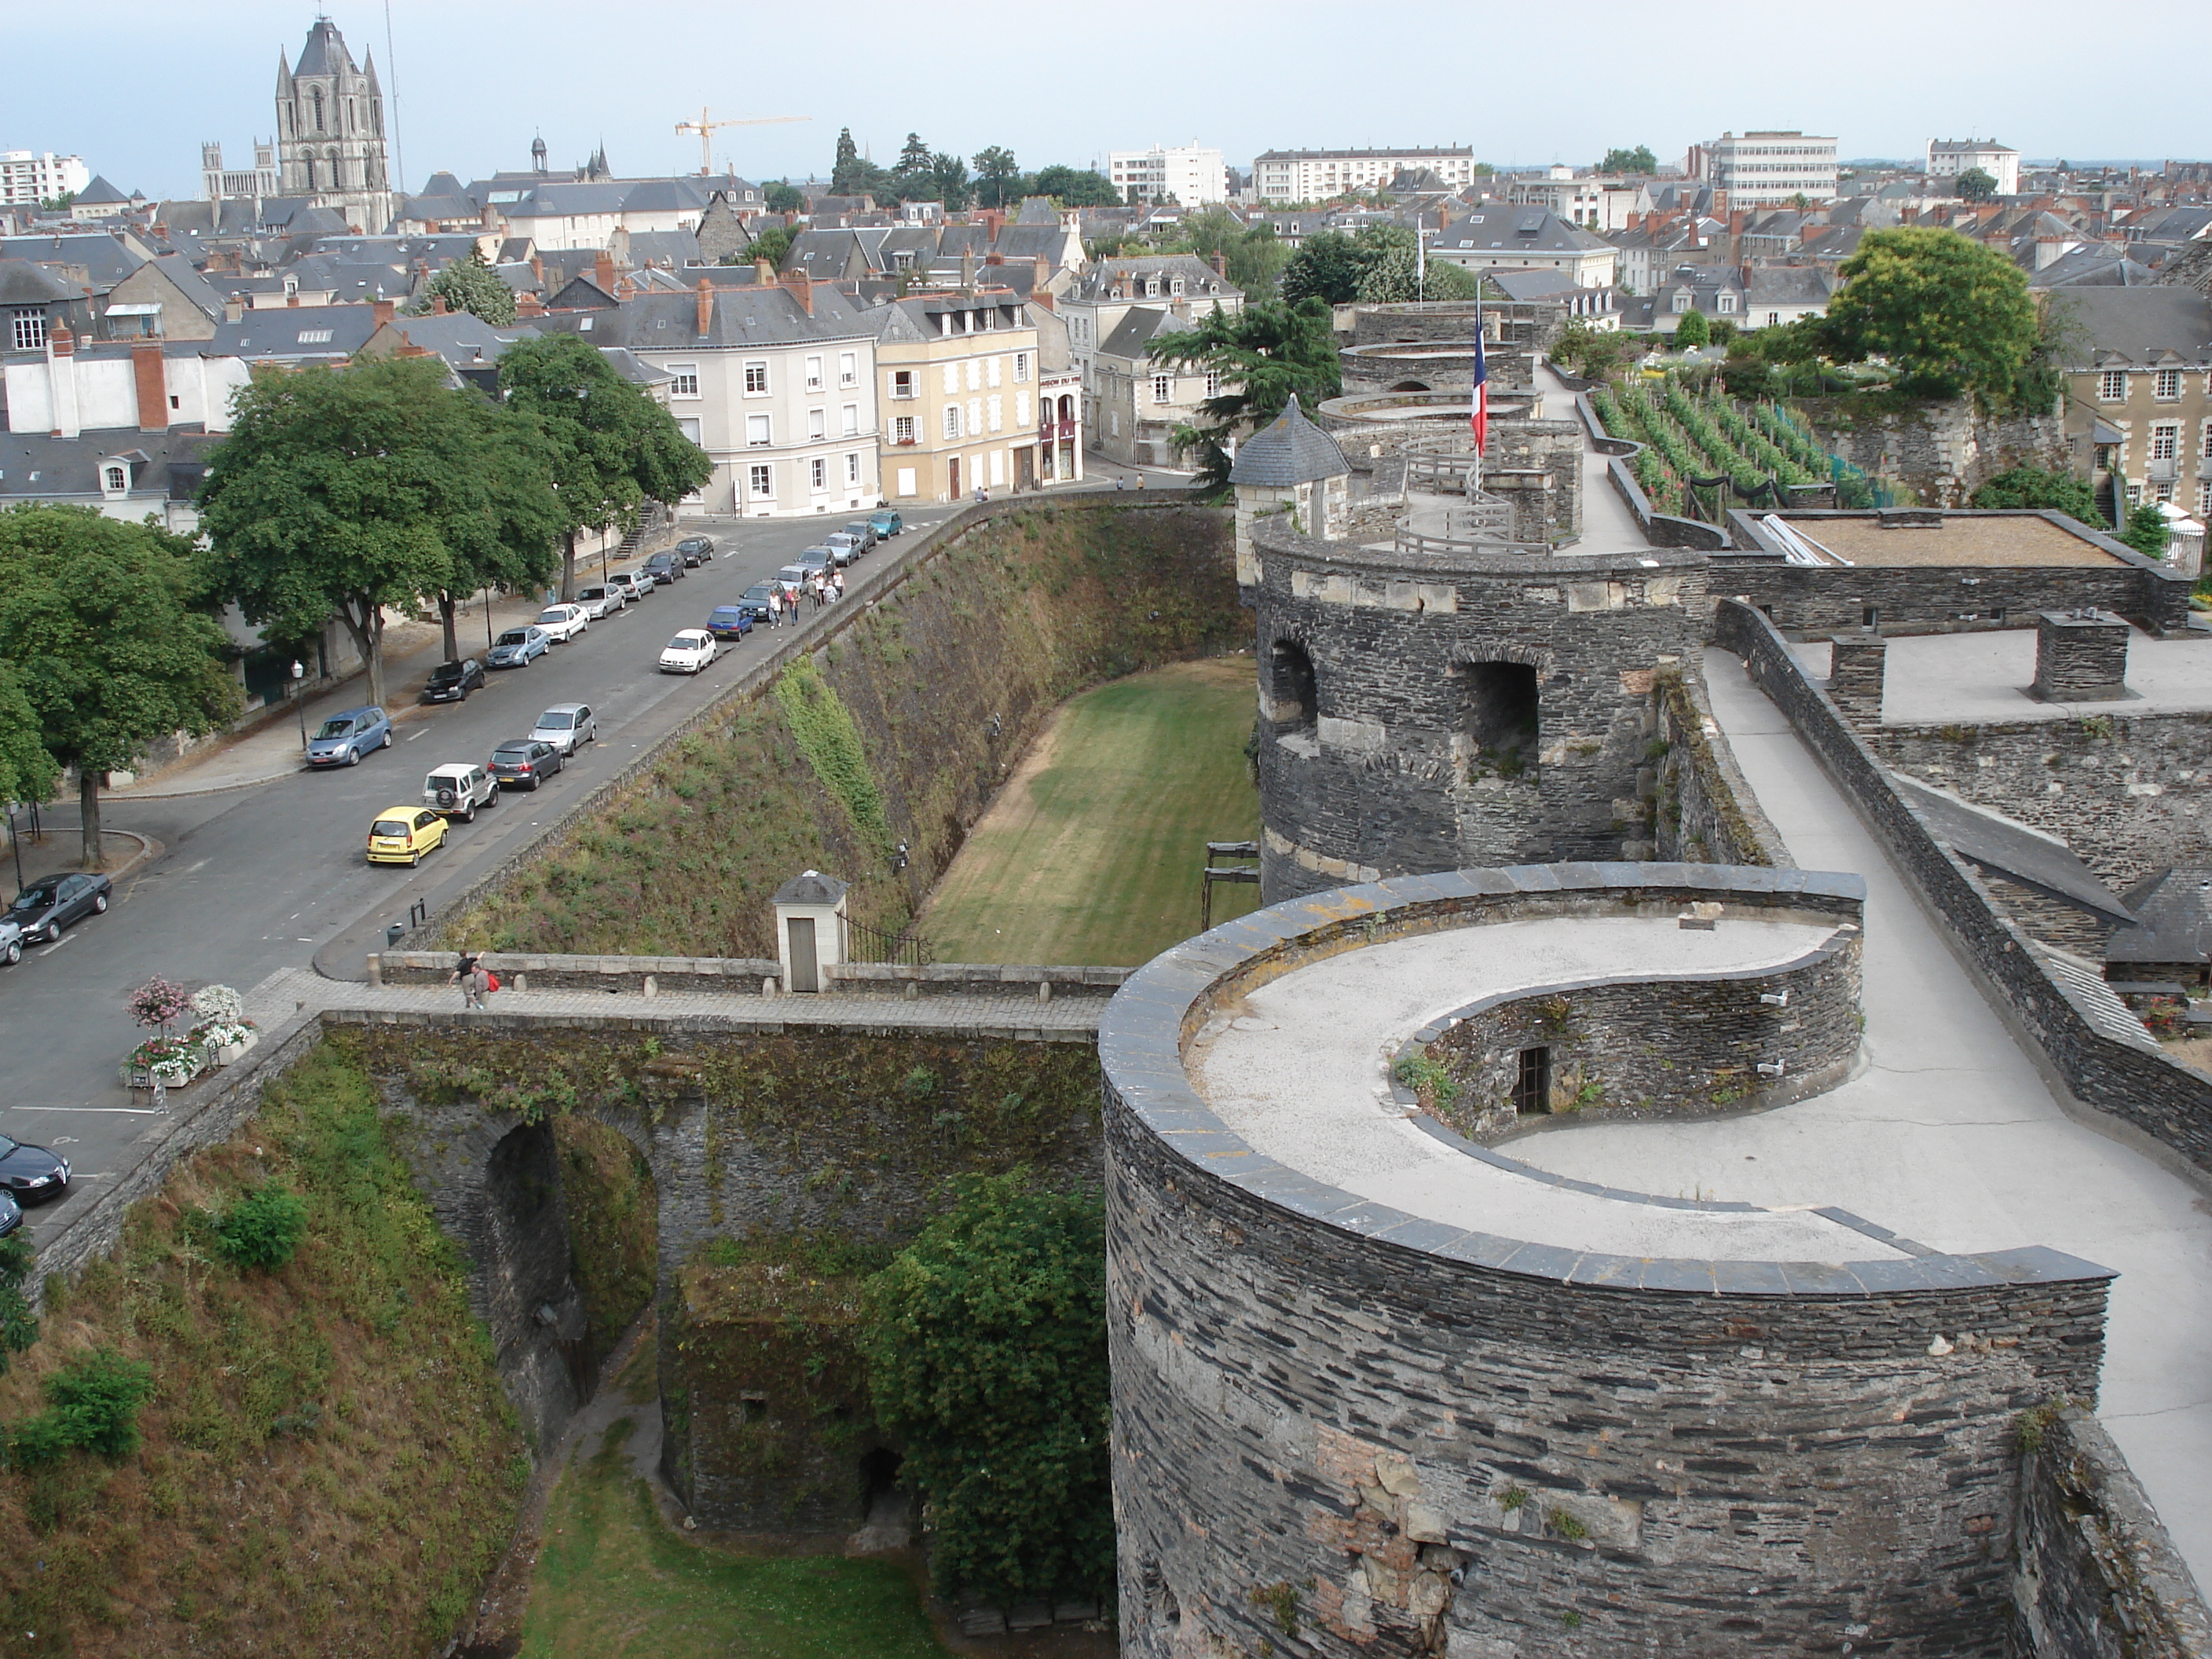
474,85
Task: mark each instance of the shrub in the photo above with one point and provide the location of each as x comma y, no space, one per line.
1692,331
263,1229
2147,531
2032,486
92,1405
19,1327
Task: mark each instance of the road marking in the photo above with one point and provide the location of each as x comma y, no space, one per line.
413,735
125,1111
57,945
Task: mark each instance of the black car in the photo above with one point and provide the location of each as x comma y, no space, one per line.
754,601
524,763
46,907
32,1174
696,549
452,682
663,569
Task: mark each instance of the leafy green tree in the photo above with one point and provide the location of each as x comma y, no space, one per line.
1264,354
1975,185
347,494
854,175
1327,267
470,285
1639,160
613,448
985,1342
1692,331
262,1228
104,645
92,1405
914,161
849,160
1396,278
784,196
520,552
998,178
1077,187
1950,315
19,1325
27,772
2147,531
2031,486
948,182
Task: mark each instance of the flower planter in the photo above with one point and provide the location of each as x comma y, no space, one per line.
229,1053
140,1076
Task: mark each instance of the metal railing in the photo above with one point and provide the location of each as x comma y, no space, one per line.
906,948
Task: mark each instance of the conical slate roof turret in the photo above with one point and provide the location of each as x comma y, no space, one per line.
1289,450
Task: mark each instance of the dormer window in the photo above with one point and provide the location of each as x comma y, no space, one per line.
1681,302
1176,286
114,477
1726,302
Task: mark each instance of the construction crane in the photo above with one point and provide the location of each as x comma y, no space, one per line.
705,129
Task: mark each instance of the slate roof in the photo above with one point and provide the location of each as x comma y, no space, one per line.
1289,450
812,887
287,334
22,283
2013,850
463,339
1773,285
2139,326
2096,265
1133,335
2174,919
100,193
671,248
743,317
1528,284
1498,228
106,260
173,464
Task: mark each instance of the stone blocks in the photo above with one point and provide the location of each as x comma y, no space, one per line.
1857,666
2080,656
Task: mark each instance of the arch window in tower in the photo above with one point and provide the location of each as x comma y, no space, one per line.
316,95
310,172
338,171
1293,690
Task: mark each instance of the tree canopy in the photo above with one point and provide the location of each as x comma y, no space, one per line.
1252,256
1975,185
1396,278
102,649
1692,331
1639,160
1338,269
2031,486
1075,187
1950,315
470,285
998,176
1264,354
2147,531
783,196
985,1342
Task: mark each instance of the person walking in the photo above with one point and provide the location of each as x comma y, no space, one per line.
473,981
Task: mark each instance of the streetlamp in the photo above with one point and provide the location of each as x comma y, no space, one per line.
300,698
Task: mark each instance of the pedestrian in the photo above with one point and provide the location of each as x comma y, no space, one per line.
1141,481
1119,481
837,585
982,495
473,981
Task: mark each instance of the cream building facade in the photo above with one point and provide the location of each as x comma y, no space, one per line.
958,378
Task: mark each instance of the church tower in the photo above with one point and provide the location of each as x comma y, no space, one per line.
330,131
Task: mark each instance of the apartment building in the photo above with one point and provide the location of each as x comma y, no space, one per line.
1182,284
1948,157
1282,176
2139,391
1496,236
30,177
1140,400
958,378
1600,205
1766,169
1185,173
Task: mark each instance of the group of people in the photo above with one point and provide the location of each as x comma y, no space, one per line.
821,588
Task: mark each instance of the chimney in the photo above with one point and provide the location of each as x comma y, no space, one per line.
801,287
61,382
764,271
706,307
438,306
1221,266
234,308
384,309
409,349
1043,274
537,269
968,266
603,272
293,298
152,382
994,259
527,304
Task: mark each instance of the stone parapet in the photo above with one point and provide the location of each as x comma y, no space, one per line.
2080,656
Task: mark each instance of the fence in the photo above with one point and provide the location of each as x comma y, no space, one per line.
906,948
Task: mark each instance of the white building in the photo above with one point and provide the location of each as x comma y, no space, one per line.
1185,173
30,177
1601,204
1315,175
1950,157
1766,169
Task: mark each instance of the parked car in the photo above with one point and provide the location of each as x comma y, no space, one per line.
817,559
755,599
842,548
519,647
32,1172
562,622
568,726
11,1215
886,524
793,577
603,599
343,739
696,549
524,763
48,905
458,788
403,834
632,585
11,942
691,651
729,622
663,569
452,682
866,531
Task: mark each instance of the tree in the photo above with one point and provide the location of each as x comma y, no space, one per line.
349,493
914,161
1263,353
1692,331
103,644
470,285
985,1342
948,182
1639,160
1396,278
1976,185
854,176
613,447
1074,187
526,525
998,178
770,245
783,196
2147,531
27,772
1327,267
1950,315
2032,486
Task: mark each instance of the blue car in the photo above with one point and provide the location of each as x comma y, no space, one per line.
886,523
730,622
343,739
518,647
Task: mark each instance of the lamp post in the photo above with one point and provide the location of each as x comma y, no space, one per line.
300,698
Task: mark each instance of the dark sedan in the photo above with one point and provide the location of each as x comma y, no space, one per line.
44,907
452,682
524,763
755,600
663,569
696,549
32,1174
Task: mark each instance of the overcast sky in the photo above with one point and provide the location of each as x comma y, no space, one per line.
137,94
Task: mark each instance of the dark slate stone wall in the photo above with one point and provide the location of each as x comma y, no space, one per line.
1385,778
2081,659
1703,810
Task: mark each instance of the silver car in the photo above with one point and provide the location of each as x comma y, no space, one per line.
600,601
568,726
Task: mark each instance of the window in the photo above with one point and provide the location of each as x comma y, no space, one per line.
2165,440
1021,409
849,368
684,380
2167,387
1682,303
902,384
852,418
996,417
1532,1082
906,481
1726,302
852,466
952,420
818,425
903,429
2204,499
818,471
755,379
1213,383
992,371
1774,318
688,426
2112,385
952,378
113,479
762,480
757,434
974,416
1021,366
30,328
1163,388
974,374
814,375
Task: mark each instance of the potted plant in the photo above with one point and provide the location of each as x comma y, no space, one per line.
164,1058
221,1024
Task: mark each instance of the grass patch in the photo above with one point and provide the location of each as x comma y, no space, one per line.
1092,854
612,1580
326,1463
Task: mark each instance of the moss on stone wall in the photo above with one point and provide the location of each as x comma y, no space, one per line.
612,1205
945,681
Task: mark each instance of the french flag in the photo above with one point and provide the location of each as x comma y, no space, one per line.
1478,414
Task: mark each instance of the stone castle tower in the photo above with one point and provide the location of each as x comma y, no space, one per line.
330,131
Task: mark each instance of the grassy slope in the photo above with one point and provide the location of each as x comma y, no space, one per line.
329,1464
1092,853
612,1580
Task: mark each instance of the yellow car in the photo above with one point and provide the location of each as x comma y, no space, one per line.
401,835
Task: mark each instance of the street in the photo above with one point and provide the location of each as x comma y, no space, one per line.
270,874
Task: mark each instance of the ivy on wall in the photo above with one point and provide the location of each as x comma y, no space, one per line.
826,734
